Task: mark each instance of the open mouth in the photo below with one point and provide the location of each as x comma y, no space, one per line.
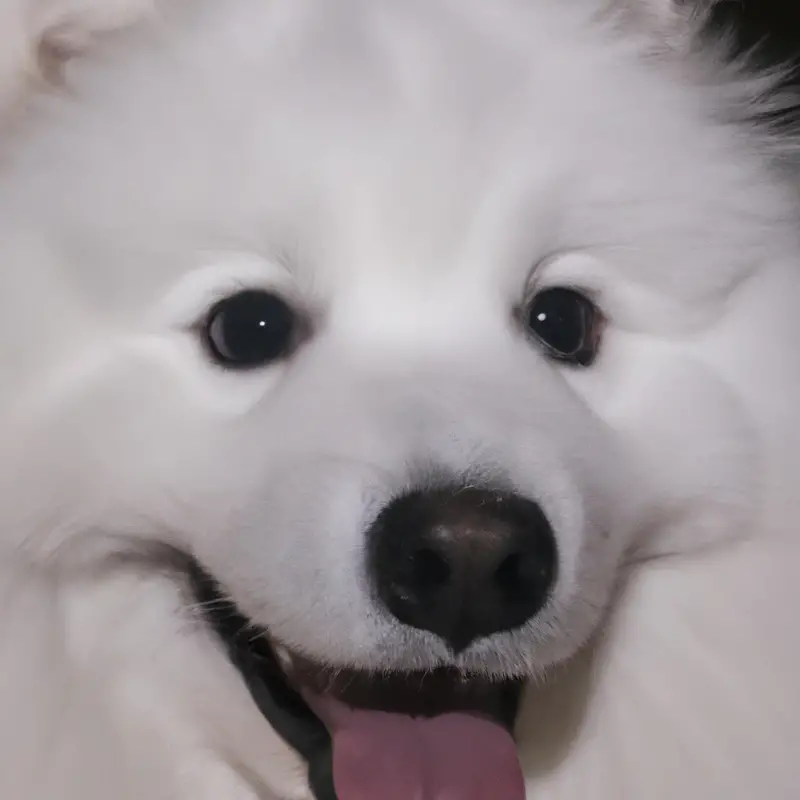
395,736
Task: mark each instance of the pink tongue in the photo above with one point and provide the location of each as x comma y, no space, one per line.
381,756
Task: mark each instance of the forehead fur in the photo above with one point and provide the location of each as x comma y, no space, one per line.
360,133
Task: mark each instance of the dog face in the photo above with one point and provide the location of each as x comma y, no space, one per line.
373,270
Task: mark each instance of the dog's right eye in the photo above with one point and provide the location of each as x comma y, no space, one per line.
250,329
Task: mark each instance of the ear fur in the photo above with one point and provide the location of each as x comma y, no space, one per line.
672,23
38,36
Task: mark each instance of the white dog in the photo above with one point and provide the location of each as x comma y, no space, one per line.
366,362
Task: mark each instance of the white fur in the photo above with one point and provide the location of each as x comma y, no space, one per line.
407,172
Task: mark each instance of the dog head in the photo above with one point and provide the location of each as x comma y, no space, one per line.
409,325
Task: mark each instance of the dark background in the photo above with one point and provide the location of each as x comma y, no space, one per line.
772,26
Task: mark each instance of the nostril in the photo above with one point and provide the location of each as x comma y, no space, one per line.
429,570
509,575
518,572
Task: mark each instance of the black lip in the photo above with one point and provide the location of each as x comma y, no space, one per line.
283,707
248,649
418,694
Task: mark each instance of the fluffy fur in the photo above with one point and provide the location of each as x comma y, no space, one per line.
408,172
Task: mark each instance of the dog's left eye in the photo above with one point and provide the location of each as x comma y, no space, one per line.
567,323
250,329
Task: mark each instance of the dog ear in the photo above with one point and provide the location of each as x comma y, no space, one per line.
659,12
671,23
38,36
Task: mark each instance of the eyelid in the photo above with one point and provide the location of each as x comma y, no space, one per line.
573,268
594,295
188,301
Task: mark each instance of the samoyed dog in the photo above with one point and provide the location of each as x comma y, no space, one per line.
401,401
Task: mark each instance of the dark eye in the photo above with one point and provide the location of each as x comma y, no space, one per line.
250,329
567,323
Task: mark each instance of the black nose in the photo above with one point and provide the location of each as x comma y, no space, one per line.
462,563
